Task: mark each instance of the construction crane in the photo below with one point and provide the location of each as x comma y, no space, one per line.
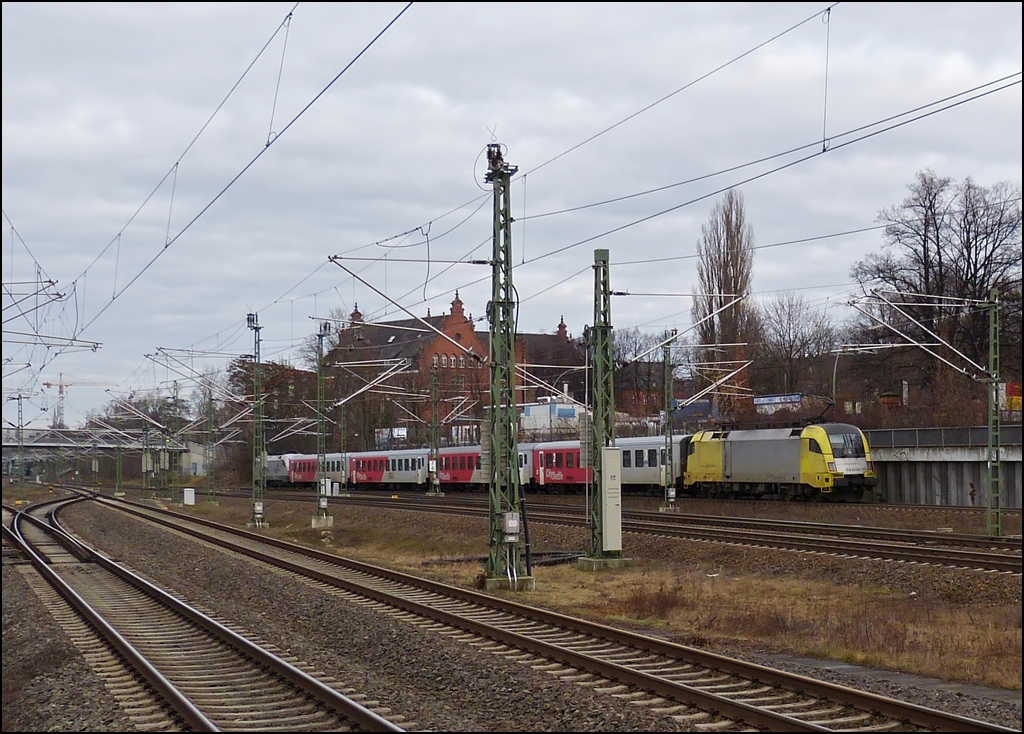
58,413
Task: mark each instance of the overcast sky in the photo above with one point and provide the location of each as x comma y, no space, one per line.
101,101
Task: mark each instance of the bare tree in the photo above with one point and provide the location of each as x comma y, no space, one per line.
724,269
307,351
638,380
950,241
794,338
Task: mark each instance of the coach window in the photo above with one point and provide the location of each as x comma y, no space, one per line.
652,457
478,461
549,461
407,467
569,460
639,457
462,462
558,460
626,459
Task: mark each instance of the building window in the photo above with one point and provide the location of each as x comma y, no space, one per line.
462,361
434,360
444,360
453,361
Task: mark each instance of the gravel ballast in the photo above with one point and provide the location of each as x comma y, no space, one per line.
433,681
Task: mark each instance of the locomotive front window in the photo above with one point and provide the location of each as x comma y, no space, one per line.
813,446
847,445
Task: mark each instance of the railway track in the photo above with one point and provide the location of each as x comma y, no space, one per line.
178,668
695,688
1004,554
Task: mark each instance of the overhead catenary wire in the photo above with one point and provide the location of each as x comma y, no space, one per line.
626,119
252,162
428,274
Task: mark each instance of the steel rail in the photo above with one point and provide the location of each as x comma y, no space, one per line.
349,709
1003,562
253,545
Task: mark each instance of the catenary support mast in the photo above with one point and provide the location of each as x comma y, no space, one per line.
504,554
605,495
994,519
259,444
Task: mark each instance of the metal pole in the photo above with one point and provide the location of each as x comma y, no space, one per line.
321,513
118,492
604,402
668,465
258,439
434,460
504,556
209,452
994,523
